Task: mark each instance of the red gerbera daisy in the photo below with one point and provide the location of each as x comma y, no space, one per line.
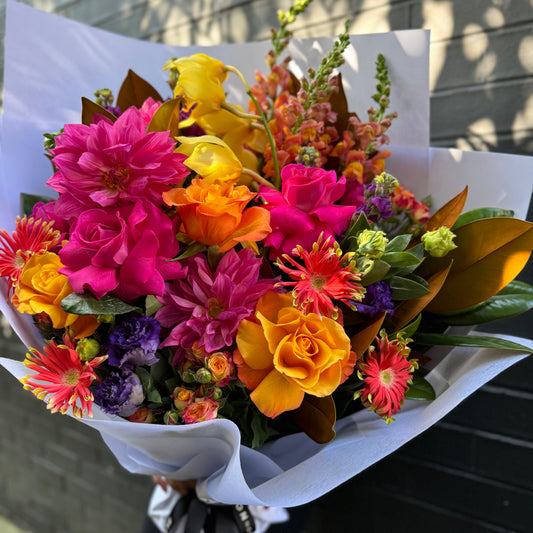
59,371
386,374
326,275
30,237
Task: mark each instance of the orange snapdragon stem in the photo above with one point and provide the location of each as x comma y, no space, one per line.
277,177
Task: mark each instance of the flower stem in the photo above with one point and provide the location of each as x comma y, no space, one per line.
277,178
257,177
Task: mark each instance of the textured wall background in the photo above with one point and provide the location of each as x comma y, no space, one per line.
473,472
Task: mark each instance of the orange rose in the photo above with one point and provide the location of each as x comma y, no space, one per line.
286,354
215,214
41,290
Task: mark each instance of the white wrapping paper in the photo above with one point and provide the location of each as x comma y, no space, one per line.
51,62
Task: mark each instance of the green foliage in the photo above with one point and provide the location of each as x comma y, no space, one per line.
420,389
28,201
281,37
482,212
86,304
512,300
382,94
474,341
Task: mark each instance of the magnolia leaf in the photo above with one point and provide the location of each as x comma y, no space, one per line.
490,253
408,309
448,213
420,389
364,338
90,108
482,212
152,305
474,341
192,249
406,289
316,418
339,105
399,243
134,91
515,299
28,201
86,304
167,118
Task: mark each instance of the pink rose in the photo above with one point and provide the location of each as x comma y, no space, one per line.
305,208
124,252
201,410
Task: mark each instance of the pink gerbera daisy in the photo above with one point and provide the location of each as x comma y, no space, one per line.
30,237
60,372
326,275
386,373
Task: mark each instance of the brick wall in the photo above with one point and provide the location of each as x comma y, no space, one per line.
473,472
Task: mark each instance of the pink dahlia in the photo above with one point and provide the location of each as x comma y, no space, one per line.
326,275
205,309
386,373
107,163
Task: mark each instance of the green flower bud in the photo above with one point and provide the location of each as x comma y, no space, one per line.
88,348
371,243
203,375
189,376
439,242
106,319
171,418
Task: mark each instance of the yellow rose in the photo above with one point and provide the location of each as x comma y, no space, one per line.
285,354
42,288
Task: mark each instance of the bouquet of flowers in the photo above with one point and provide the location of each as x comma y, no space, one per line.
208,273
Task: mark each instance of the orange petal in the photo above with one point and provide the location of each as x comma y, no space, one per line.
275,395
254,226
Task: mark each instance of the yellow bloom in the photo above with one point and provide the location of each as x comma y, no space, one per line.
439,242
284,353
211,158
42,288
199,82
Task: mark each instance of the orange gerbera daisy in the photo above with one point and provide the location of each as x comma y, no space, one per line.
60,372
30,237
326,275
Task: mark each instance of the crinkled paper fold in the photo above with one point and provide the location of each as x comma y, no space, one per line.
52,62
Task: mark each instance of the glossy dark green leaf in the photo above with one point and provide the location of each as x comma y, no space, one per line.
28,201
406,289
152,305
420,389
411,328
376,273
474,341
259,426
515,299
398,244
400,259
355,227
482,212
85,304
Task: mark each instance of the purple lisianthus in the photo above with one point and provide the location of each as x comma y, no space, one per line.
376,300
121,393
375,206
133,342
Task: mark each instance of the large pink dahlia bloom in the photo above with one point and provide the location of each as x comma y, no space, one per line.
206,308
107,163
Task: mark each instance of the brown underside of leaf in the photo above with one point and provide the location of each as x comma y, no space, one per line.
409,309
134,91
167,118
490,253
364,338
339,105
316,418
448,213
90,108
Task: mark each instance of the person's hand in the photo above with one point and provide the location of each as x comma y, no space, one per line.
181,487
